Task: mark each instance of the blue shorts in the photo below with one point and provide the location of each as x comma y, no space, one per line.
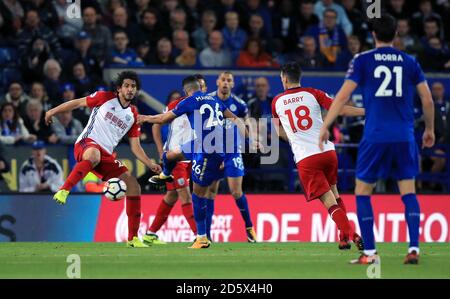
205,168
233,166
398,160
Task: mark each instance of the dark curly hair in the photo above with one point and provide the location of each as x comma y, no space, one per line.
127,75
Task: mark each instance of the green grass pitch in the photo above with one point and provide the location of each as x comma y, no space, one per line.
221,260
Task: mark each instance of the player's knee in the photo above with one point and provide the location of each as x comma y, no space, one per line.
93,157
133,187
236,194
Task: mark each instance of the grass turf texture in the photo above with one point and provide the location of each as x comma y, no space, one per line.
221,260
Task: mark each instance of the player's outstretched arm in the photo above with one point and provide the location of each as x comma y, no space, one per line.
162,118
341,98
139,152
348,110
67,106
428,137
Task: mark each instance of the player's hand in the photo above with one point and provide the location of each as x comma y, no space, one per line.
428,138
155,168
48,117
143,119
324,135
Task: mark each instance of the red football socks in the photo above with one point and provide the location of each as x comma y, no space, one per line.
188,213
161,216
80,170
341,204
341,220
134,215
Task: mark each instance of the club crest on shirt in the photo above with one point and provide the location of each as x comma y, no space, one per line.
127,118
233,107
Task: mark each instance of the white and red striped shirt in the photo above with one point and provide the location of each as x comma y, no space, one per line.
109,120
300,114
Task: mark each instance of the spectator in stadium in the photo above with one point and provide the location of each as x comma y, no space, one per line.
151,29
52,81
255,30
38,92
214,55
17,97
4,168
84,52
47,12
341,17
200,35
285,26
305,16
254,56
223,6
234,38
140,6
180,40
143,51
358,20
100,34
13,130
12,13
35,30
84,84
436,55
411,42
256,7
178,20
67,128
397,9
347,54
261,104
40,173
425,12
32,63
308,56
68,27
108,8
187,58
436,164
163,54
35,123
431,29
193,9
121,23
120,54
329,36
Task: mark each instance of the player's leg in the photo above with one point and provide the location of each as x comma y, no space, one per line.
235,186
162,213
406,169
412,216
184,194
88,159
133,207
374,161
170,159
363,192
340,218
213,189
199,202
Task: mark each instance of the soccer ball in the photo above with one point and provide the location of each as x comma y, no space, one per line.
115,189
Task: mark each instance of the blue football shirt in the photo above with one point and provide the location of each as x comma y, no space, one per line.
387,78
